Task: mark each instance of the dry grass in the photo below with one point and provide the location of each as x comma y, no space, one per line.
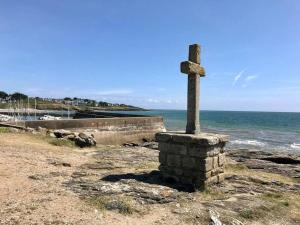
124,205
44,139
210,194
273,205
284,204
240,169
283,208
4,130
61,142
148,166
232,168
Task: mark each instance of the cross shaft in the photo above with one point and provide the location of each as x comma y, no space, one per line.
194,71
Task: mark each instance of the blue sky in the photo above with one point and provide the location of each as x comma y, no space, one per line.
129,51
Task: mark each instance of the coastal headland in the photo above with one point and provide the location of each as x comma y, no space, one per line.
19,102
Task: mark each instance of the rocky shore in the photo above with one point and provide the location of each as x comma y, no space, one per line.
46,183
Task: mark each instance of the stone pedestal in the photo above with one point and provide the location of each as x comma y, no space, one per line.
196,160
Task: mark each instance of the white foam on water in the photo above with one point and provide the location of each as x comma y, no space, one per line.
248,142
295,146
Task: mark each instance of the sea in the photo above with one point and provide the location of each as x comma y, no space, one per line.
268,131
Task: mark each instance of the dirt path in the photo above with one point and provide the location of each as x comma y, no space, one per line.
46,184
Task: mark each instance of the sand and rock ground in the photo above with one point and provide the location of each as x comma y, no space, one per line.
48,182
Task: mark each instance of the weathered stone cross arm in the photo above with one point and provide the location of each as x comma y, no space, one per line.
189,67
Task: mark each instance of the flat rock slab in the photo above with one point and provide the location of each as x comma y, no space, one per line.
205,139
124,171
279,163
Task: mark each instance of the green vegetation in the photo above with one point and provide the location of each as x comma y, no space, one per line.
4,130
15,96
61,142
3,95
19,100
18,96
248,214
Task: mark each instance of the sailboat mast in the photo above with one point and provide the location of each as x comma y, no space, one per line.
68,111
35,108
28,113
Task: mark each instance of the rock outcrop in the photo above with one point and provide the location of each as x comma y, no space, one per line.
81,140
84,140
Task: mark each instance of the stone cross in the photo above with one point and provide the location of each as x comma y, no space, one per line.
194,71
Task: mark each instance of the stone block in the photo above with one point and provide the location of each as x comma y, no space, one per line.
188,162
212,180
202,176
178,171
221,177
186,180
221,159
213,151
163,158
163,137
163,168
215,162
208,175
182,138
197,151
172,148
217,171
178,149
163,147
173,160
168,176
190,173
208,164
204,164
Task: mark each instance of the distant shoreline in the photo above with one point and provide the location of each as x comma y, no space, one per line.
31,111
21,101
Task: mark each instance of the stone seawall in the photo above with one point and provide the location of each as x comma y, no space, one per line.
106,130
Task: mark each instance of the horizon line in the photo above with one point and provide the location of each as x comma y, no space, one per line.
222,110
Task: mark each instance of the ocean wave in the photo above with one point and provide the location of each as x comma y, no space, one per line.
295,146
248,142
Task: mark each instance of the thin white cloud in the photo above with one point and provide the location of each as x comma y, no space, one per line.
249,78
114,92
151,100
237,77
162,101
